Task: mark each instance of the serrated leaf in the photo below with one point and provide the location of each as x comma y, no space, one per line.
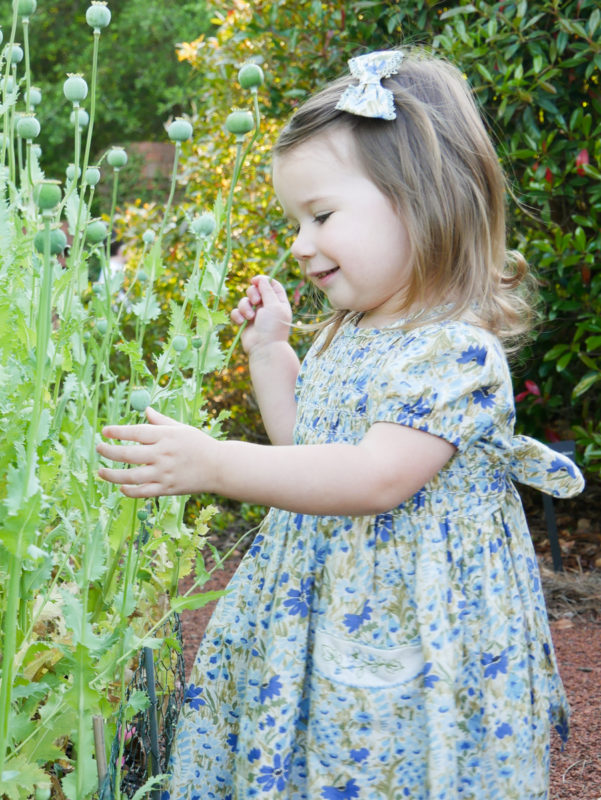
147,309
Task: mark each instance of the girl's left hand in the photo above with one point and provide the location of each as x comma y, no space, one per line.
170,457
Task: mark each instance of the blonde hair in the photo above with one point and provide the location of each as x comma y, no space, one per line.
436,164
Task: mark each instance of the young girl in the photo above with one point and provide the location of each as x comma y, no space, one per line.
385,636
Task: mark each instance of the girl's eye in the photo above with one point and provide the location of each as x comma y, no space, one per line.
321,218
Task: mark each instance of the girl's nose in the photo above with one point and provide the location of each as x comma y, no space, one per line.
302,247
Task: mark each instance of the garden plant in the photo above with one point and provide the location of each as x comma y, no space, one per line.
87,576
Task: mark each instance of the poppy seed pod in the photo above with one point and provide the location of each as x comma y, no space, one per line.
98,15
117,157
82,118
179,343
203,225
28,127
35,96
97,231
179,130
58,241
250,76
239,122
16,54
47,195
91,176
139,399
75,88
26,8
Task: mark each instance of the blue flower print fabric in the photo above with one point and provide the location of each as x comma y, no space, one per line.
401,655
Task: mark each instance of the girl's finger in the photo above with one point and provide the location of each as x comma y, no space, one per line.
124,453
144,434
144,490
236,317
253,295
156,418
134,477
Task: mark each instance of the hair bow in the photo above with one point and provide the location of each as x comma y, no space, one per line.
369,98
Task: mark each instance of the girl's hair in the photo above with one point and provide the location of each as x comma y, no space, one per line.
437,166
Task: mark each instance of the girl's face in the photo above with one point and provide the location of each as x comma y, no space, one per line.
350,241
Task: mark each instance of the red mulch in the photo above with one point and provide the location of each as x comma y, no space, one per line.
573,600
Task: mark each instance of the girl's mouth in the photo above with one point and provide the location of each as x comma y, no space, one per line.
320,276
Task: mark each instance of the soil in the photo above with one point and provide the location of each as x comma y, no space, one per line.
574,605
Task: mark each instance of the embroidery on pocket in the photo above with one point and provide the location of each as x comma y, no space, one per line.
362,665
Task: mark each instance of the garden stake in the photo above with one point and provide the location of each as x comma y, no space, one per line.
152,716
99,747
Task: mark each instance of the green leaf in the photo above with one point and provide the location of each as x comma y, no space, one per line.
20,777
195,601
585,383
453,12
147,309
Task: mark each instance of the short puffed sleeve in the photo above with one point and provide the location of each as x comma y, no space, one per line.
449,379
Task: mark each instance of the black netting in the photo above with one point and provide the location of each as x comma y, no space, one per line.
149,735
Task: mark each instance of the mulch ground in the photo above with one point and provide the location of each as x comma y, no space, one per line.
574,604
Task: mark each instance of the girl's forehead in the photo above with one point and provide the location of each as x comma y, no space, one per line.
333,147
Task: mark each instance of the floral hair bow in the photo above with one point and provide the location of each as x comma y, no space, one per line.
369,98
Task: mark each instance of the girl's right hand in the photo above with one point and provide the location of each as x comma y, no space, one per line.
266,311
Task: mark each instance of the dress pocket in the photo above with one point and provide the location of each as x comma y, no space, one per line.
356,664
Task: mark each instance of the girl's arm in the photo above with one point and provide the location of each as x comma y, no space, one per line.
387,467
273,363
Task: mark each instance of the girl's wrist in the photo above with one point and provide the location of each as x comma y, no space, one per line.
265,350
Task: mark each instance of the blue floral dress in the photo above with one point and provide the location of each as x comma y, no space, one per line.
401,655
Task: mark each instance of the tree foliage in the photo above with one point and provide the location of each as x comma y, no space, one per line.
141,82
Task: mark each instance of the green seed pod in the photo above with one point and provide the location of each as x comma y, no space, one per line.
142,276
82,118
47,195
179,343
139,399
97,231
239,122
35,96
142,515
102,326
250,76
92,176
197,342
148,236
28,127
179,130
117,157
26,8
42,793
36,150
203,225
1,36
11,86
98,15
70,172
16,54
58,241
75,88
